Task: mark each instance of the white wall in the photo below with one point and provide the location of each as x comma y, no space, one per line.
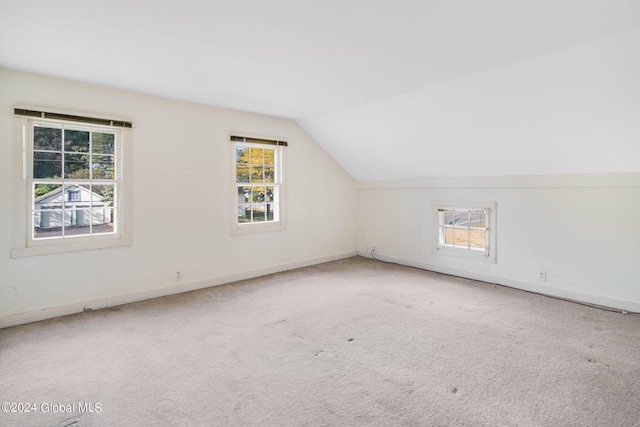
582,229
573,111
181,204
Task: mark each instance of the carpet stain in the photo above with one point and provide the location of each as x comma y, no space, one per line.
595,361
454,390
350,339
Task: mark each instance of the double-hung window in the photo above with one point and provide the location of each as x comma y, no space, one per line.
258,190
465,229
73,180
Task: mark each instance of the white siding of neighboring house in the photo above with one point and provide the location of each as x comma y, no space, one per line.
48,209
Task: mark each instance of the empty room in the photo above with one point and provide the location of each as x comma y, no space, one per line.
305,213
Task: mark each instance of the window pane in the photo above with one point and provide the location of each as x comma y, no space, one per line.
48,139
102,143
82,217
269,157
269,195
242,155
269,174
102,196
45,194
102,167
478,239
257,174
242,173
244,214
259,212
76,141
448,217
76,166
102,220
258,195
257,156
76,222
461,219
272,212
47,165
448,236
47,223
47,210
478,219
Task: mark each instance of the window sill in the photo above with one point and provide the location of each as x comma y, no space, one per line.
239,230
69,247
465,254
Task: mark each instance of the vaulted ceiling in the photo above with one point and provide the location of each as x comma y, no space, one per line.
391,89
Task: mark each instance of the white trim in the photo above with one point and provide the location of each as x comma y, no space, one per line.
604,301
114,300
71,246
608,180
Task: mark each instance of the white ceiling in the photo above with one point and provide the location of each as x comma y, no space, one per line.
308,61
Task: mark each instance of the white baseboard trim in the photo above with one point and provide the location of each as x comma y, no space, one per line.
111,301
622,305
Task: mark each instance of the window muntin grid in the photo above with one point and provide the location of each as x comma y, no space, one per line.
258,182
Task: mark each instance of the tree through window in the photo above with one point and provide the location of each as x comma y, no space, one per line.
258,166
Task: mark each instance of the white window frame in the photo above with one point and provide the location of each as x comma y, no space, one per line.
488,254
238,229
24,244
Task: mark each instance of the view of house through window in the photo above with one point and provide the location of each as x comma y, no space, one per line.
258,179
74,180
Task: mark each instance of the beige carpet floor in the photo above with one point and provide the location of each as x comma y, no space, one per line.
348,343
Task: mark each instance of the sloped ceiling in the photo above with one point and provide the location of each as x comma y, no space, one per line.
391,89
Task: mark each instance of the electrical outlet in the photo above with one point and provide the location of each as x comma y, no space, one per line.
542,275
178,276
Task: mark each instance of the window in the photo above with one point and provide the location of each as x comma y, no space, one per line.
73,180
73,195
465,229
258,191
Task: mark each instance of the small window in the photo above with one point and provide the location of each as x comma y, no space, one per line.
465,229
73,195
258,192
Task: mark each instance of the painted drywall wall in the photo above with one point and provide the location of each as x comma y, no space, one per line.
572,111
580,229
181,197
